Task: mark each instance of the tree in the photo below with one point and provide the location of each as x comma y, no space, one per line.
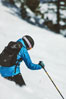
32,4
58,16
11,1
23,10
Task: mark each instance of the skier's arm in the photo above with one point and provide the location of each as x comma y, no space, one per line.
28,62
0,69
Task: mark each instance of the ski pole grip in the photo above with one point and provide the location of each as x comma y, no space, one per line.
41,64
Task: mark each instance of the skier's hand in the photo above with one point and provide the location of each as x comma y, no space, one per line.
41,64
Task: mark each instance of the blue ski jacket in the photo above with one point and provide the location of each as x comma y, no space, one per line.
23,53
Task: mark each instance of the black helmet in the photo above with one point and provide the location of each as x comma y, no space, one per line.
29,42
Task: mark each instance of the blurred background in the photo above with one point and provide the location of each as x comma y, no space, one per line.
48,14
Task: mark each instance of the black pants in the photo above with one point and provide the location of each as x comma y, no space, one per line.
18,79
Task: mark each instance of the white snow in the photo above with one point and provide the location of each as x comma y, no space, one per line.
49,47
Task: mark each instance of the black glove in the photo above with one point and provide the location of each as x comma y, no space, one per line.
41,64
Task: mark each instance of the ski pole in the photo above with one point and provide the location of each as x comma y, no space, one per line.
53,83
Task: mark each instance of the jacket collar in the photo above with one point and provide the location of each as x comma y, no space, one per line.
20,40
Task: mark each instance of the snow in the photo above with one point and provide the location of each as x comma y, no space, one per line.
49,47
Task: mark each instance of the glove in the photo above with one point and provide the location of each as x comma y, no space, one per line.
41,64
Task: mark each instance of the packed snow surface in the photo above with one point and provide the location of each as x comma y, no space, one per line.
49,47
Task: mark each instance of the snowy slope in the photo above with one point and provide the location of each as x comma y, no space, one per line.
49,47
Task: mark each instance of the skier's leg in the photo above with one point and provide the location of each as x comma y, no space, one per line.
18,79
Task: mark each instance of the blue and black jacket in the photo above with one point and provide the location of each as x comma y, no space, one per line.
23,53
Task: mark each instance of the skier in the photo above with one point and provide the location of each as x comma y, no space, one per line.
12,73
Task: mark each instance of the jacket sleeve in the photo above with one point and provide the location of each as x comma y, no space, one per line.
0,69
27,60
